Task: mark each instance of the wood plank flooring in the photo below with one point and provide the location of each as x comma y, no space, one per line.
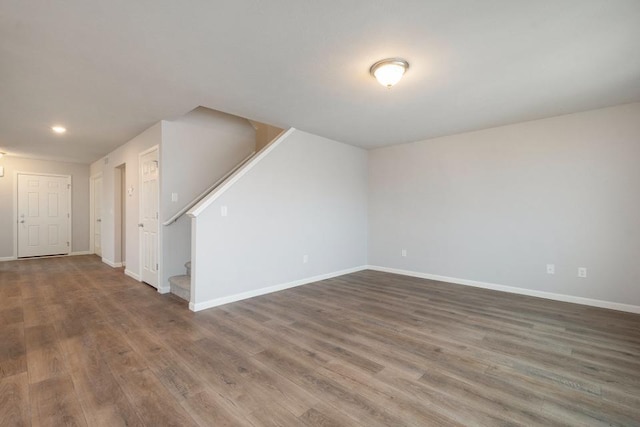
82,344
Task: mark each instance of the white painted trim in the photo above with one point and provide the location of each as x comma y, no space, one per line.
15,214
12,258
70,218
92,212
250,294
513,290
194,259
111,263
202,205
132,274
149,150
163,290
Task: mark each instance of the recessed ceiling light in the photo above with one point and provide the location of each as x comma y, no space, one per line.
389,71
59,129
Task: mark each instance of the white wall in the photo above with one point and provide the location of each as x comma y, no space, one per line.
499,204
197,150
125,154
79,199
307,196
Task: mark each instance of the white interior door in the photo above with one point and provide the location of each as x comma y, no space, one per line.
43,215
97,215
149,207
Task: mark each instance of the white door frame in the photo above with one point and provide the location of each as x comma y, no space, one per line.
15,207
161,288
92,212
120,214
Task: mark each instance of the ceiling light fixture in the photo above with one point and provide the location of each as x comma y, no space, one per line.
59,129
389,71
2,154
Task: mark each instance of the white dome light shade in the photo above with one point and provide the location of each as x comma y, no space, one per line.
58,129
389,71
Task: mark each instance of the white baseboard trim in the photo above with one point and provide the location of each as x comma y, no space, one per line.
250,294
111,263
80,253
13,258
132,274
164,290
511,289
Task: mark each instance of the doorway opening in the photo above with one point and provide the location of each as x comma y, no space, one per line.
119,214
96,214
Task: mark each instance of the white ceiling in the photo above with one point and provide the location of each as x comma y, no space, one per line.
109,69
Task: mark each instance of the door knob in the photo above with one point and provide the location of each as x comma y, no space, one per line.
22,221
99,220
141,225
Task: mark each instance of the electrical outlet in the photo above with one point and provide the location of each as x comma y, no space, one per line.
582,272
551,269
305,259
223,211
404,252
174,197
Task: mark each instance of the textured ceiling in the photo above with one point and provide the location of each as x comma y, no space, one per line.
109,69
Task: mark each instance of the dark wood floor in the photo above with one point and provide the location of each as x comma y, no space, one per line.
81,344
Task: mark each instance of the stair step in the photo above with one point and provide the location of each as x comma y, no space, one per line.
181,286
188,267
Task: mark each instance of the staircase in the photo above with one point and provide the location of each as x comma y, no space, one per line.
181,285
266,135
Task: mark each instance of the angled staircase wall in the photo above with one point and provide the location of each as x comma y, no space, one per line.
196,150
297,212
